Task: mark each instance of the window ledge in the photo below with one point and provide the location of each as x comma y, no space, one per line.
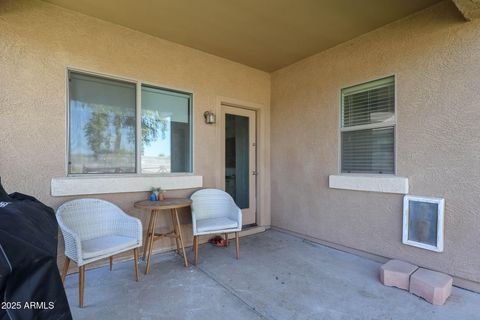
71,186
374,183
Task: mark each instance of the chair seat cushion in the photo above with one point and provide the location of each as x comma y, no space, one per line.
214,224
105,245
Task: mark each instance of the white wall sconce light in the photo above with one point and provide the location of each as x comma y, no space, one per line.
210,117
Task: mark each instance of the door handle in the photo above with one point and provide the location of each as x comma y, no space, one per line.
255,172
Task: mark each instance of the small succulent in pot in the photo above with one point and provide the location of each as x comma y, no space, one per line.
159,193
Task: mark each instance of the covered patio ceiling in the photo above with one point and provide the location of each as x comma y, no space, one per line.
267,35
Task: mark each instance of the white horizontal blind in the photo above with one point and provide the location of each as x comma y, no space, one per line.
368,127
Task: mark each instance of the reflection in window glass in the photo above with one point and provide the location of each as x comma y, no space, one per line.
101,125
166,132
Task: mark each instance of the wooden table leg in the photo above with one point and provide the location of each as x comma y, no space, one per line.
175,229
226,239
149,231
150,242
185,261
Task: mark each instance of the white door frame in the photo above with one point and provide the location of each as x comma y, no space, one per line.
263,154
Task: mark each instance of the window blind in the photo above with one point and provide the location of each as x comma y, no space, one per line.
369,104
368,151
368,127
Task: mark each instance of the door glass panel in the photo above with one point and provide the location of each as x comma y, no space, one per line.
237,159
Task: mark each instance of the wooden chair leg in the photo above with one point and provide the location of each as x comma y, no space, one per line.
66,264
137,269
81,284
237,242
226,239
111,262
195,249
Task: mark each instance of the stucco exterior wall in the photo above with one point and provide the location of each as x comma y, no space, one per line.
435,56
38,41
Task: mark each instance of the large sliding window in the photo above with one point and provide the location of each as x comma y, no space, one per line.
104,130
368,127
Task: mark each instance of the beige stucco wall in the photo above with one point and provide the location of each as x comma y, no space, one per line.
435,56
38,41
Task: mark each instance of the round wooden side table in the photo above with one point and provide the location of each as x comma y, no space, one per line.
156,208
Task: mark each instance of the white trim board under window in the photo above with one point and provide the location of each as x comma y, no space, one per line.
376,183
86,185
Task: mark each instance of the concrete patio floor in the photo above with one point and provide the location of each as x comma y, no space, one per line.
278,276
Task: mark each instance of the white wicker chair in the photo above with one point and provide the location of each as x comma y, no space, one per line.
214,211
95,229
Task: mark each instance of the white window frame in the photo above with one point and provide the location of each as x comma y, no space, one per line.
371,182
369,126
138,83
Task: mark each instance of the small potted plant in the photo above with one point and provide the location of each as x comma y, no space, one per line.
158,194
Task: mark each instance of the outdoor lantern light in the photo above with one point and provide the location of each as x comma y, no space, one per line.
209,117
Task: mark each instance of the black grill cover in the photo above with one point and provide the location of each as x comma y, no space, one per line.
30,284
